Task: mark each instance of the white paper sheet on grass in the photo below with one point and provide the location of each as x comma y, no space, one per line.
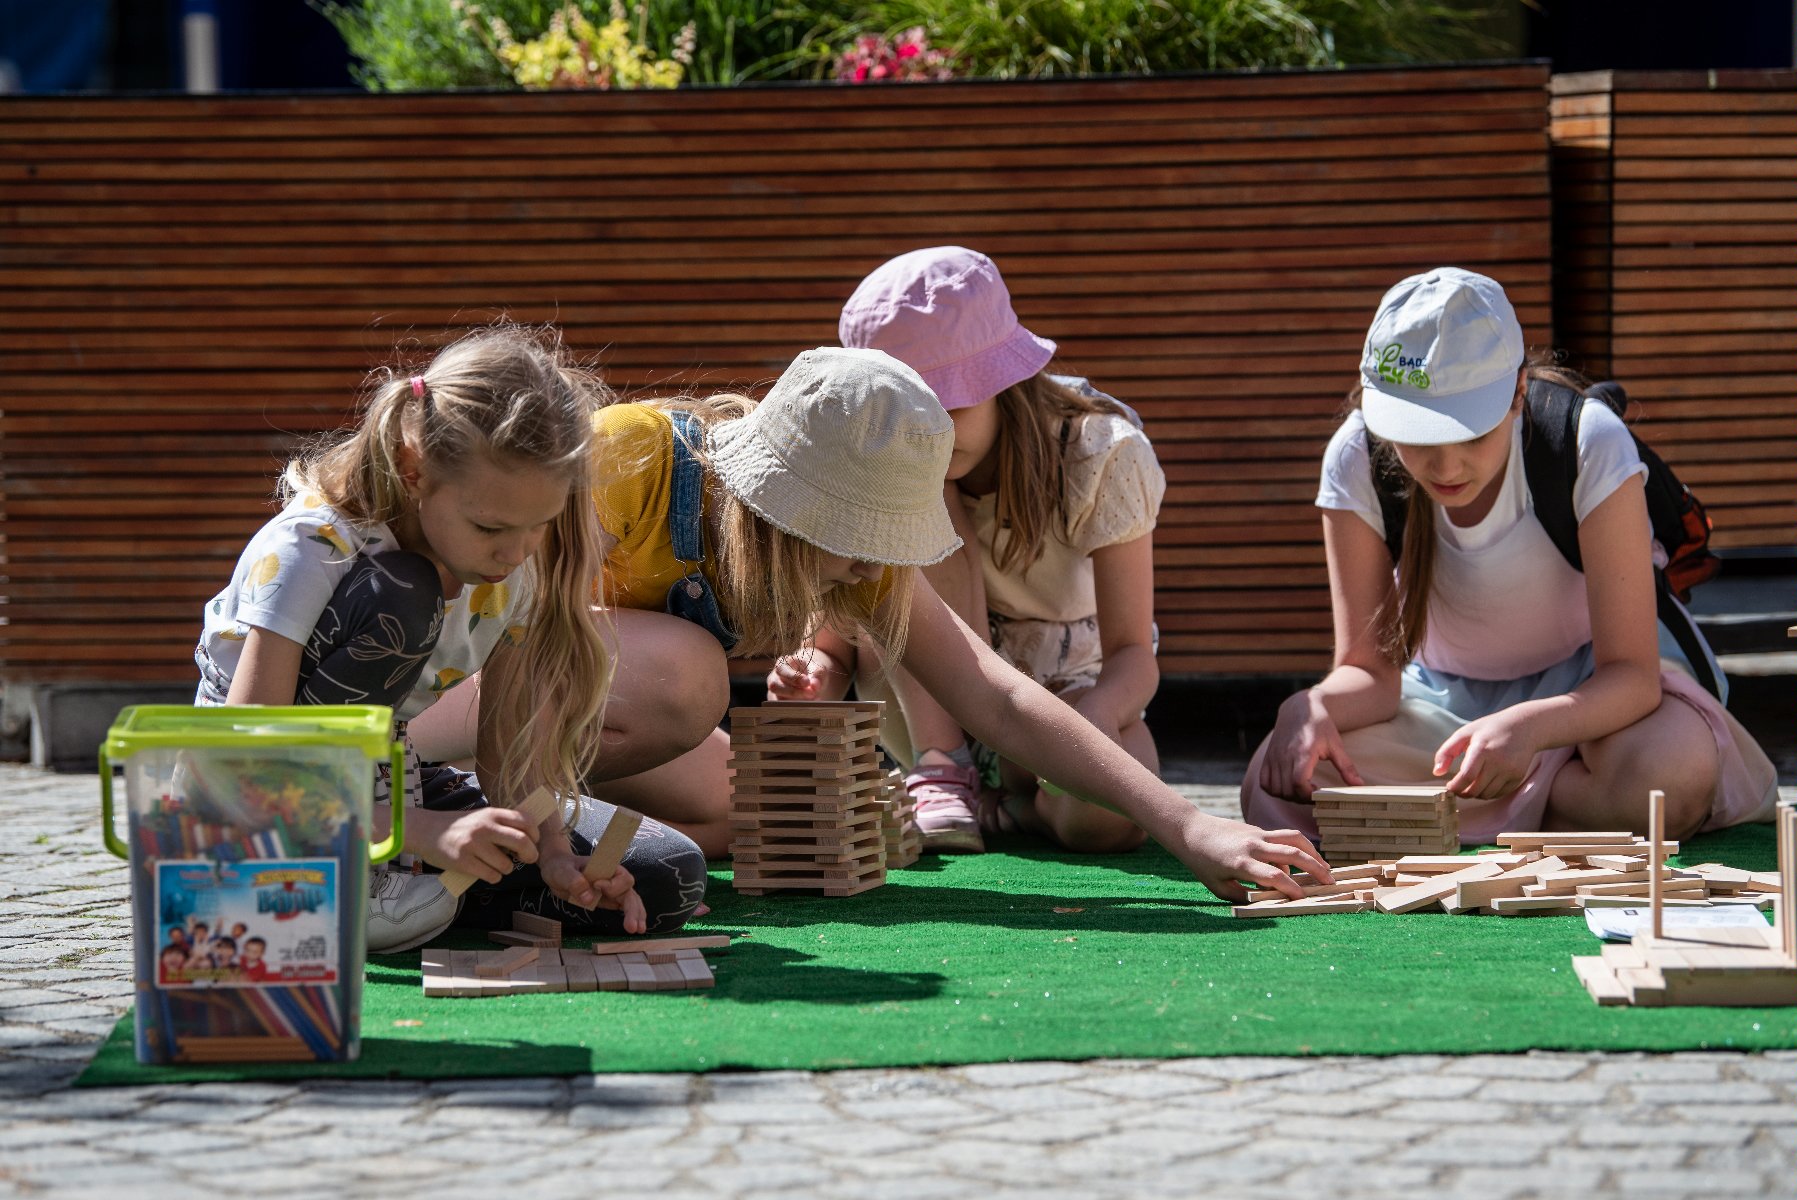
1621,924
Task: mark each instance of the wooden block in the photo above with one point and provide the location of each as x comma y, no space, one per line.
1311,892
582,977
1431,864
499,964
511,937
552,977
1571,850
1599,980
608,852
638,972
434,971
1617,862
1534,906
542,927
1640,901
1299,908
661,956
1345,875
463,979
695,970
1535,841
704,941
1423,894
609,973
668,975
1425,793
539,806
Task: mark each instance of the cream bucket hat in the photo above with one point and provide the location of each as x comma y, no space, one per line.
848,452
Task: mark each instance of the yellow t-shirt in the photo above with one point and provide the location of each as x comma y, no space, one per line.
633,465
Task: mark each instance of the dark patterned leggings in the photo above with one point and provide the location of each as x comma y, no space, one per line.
370,646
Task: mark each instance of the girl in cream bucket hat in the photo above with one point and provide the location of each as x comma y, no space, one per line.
741,528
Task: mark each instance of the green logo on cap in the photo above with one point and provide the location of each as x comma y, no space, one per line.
1394,367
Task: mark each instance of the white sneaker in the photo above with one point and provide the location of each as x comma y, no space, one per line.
406,910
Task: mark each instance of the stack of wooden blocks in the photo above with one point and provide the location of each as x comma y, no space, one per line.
1529,874
637,965
806,797
1358,824
898,822
1720,966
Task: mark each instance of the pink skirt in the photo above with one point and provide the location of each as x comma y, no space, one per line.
1402,750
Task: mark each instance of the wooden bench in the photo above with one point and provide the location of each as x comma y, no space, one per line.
191,284
1675,209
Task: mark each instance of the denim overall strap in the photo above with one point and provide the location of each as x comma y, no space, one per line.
691,597
686,508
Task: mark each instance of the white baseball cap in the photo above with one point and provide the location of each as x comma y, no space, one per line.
1441,359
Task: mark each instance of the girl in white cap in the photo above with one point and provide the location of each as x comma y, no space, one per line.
741,528
1055,489
1534,690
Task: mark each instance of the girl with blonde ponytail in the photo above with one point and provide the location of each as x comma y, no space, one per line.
452,533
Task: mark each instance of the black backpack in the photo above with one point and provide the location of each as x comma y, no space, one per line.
1551,466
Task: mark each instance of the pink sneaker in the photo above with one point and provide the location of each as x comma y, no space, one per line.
945,796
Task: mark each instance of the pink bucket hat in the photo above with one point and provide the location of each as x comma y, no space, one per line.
945,313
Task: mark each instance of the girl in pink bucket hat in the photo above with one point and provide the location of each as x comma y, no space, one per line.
1470,648
741,528
1055,490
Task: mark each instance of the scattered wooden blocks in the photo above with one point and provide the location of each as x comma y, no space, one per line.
506,962
646,965
608,852
1301,908
898,823
807,799
1360,823
541,927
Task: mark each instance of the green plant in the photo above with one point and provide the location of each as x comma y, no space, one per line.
1036,38
577,53
413,45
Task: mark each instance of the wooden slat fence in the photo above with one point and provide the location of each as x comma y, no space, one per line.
1675,209
189,284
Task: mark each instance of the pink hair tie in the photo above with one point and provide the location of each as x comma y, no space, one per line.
418,387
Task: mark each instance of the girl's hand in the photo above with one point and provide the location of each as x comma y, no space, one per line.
562,875
1220,852
1303,736
485,842
807,675
1498,750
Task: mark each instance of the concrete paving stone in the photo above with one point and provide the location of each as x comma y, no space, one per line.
1502,1183
1015,1075
1778,1068
1374,1129
1601,1158
1760,1153
177,1143
1519,1066
1548,1092
1710,1184
69,1008
883,1085
17,999
483,1116
726,1112
1657,1069
630,1117
1730,1092
58,1052
881,1182
1780,1112
541,1100
17,1036
1449,1112
1471,1145
1425,1087
1382,1179
1323,1080
736,1179
865,1139
1644,1130
911,1109
1033,1098
1148,1085
1120,1155
1339,1104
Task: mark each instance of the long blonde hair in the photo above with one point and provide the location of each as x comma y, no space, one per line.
769,582
1035,420
1403,619
511,395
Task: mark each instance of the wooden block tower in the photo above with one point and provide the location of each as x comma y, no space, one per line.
1358,824
1704,966
806,798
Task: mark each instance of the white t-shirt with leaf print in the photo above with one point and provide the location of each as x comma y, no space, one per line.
285,578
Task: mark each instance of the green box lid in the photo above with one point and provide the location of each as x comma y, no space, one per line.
367,727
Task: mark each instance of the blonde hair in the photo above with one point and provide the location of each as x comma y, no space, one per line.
1035,420
1403,618
513,396
769,581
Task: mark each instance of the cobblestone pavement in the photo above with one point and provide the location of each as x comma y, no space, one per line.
1550,1125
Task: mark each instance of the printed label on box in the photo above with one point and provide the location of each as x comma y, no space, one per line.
266,922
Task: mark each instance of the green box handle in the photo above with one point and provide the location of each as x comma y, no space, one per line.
383,850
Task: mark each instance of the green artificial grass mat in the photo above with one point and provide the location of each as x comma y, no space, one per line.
1022,954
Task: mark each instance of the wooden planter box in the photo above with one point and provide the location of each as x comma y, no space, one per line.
1675,229
189,284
